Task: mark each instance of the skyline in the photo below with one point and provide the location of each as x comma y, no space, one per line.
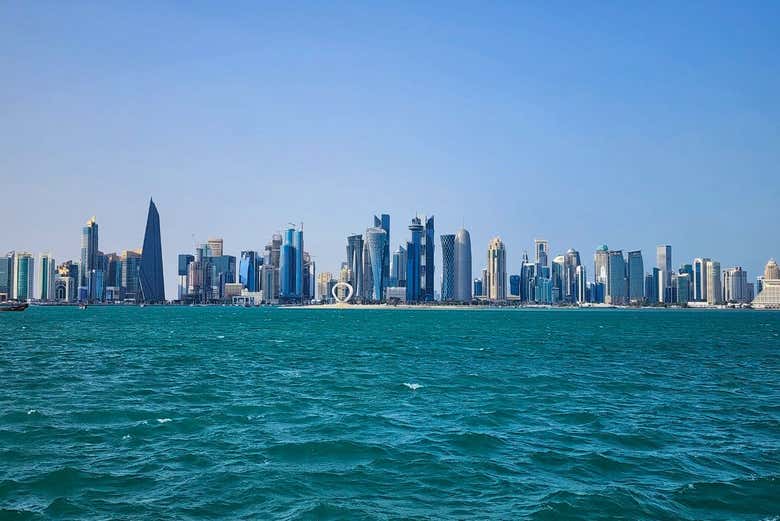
630,126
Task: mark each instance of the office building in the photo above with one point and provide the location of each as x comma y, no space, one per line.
600,267
420,261
7,276
215,246
571,262
373,264
714,291
664,261
447,267
700,279
383,222
683,291
184,261
768,296
463,289
24,276
617,287
325,283
46,274
398,268
496,271
636,277
248,270
477,290
131,283
514,286
355,263
150,269
542,249
582,285
735,286
89,268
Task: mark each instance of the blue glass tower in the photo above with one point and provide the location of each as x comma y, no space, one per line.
151,267
247,270
413,261
448,267
384,223
291,265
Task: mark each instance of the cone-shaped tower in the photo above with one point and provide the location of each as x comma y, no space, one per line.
151,267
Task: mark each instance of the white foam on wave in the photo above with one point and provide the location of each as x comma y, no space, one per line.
126,437
220,336
413,387
163,420
32,411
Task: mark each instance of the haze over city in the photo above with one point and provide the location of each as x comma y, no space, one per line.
640,128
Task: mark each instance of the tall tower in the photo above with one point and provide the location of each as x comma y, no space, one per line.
447,267
384,222
374,252
664,258
355,263
150,271
542,248
89,260
462,291
45,277
496,270
636,277
24,276
414,265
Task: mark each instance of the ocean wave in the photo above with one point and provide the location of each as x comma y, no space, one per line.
413,386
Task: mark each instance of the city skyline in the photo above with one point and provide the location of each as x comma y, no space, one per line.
518,120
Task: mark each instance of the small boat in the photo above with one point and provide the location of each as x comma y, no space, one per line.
82,306
13,306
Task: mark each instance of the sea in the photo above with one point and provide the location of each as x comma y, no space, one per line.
169,413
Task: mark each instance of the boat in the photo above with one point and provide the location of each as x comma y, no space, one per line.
82,306
13,306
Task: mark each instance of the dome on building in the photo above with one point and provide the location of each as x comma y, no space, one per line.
772,271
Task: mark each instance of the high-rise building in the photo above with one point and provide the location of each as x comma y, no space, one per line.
325,283
419,261
248,270
542,249
496,271
183,269
46,274
683,281
373,258
24,276
700,279
636,277
384,222
216,246
571,261
291,272
131,282
557,274
7,276
66,282
447,267
514,286
355,263
714,291
151,267
89,267
664,261
735,286
478,288
462,290
617,287
398,270
600,271
582,284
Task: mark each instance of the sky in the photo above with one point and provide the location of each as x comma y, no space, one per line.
630,124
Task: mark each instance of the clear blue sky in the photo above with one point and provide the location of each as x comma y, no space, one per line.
626,123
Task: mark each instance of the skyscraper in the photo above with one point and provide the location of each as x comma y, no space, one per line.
617,290
131,265
714,292
636,277
462,291
373,259
24,276
664,261
89,265
355,263
771,270
414,265
247,270
216,246
46,274
291,265
427,269
571,261
582,284
735,285
557,272
496,271
398,270
542,249
683,288
150,270
600,272
184,263
384,222
7,276
699,289
447,268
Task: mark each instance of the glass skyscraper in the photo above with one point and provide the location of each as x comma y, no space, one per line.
383,222
291,265
247,270
89,265
664,258
24,276
151,267
7,275
374,254
617,290
414,261
462,291
355,263
636,277
448,268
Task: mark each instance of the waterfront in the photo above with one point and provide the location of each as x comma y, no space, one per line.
225,412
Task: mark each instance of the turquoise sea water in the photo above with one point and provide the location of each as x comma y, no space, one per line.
232,413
